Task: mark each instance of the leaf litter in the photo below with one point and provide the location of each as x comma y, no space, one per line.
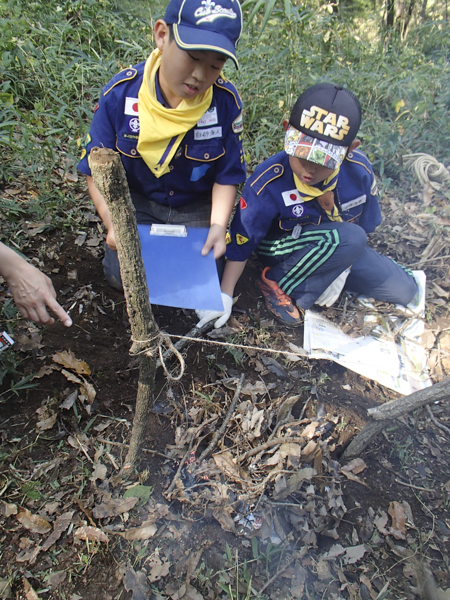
271,481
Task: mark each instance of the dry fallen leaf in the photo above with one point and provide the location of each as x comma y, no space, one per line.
158,569
59,527
144,532
226,464
353,554
136,582
355,466
47,423
30,594
8,509
33,523
114,507
67,359
92,534
397,514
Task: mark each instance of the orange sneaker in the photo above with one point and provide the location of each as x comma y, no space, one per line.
278,303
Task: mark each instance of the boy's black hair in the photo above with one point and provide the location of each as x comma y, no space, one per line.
171,36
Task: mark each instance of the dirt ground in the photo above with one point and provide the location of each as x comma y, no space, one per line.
291,522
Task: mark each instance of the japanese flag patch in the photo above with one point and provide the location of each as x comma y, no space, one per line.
291,197
131,106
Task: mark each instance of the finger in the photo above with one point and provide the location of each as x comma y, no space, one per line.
206,248
203,322
220,322
58,310
37,315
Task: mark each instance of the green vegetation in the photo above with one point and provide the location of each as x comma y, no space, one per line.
56,56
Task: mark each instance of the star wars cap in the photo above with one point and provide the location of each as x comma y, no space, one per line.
206,25
323,123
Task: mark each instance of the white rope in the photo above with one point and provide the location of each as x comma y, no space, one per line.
193,339
426,169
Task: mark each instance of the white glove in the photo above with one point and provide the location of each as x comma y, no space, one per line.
331,294
206,316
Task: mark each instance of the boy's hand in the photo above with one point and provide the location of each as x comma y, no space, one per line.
215,240
222,316
331,294
111,239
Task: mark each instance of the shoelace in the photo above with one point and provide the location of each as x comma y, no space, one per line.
282,298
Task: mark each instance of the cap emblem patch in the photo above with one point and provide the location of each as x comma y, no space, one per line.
210,11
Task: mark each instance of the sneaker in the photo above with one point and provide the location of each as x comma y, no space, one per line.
278,303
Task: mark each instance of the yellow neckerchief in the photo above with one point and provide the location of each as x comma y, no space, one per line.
308,192
162,129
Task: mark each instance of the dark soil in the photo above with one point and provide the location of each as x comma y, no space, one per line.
192,554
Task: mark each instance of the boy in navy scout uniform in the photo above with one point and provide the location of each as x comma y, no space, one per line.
306,212
177,124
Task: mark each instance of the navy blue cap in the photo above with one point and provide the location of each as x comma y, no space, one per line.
206,25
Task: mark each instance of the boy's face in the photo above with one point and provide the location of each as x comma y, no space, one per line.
308,172
184,74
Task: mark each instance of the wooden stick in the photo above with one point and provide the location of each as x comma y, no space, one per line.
400,406
110,179
381,416
221,431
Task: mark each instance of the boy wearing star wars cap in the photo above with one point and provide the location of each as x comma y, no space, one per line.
295,212
177,124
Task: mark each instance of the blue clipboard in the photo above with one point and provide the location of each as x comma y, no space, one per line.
177,274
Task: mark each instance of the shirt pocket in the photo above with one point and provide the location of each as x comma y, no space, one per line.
307,219
204,152
127,147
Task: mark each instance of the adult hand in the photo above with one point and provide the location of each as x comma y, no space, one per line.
331,294
33,293
222,316
215,240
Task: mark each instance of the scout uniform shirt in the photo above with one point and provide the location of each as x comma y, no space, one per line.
209,153
271,207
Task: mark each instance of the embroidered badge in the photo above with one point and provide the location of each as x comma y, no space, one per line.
133,124
374,188
131,106
228,238
298,210
242,203
238,124
209,118
241,239
210,11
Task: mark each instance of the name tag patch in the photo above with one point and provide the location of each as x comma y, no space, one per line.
209,118
291,197
352,203
207,134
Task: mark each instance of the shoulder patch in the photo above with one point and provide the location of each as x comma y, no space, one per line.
270,174
223,83
126,75
238,124
359,158
374,188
